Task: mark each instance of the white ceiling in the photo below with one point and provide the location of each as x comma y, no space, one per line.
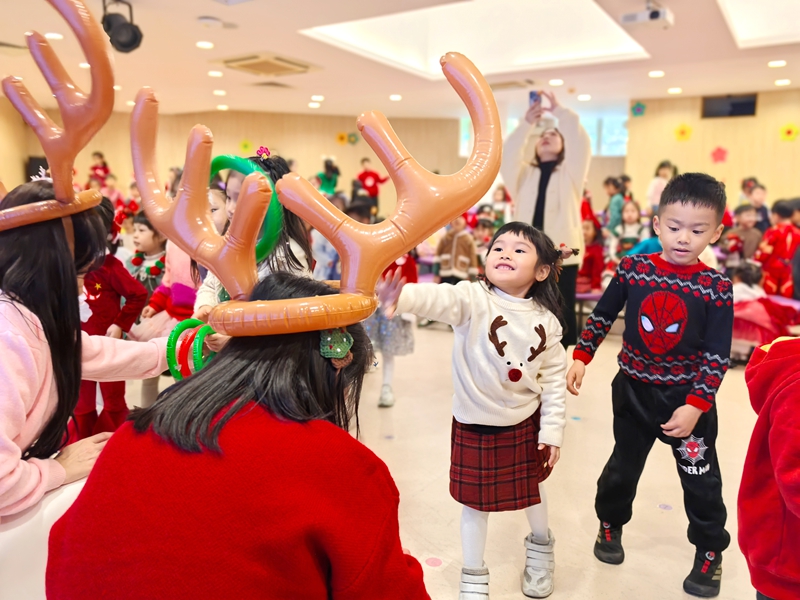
699,54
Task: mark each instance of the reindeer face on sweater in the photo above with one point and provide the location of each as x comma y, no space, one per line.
515,362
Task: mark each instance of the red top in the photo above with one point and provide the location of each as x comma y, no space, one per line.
370,180
286,511
407,265
105,288
779,243
592,265
769,496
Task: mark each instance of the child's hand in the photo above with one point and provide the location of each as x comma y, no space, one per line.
682,422
388,290
575,377
115,331
555,454
216,342
202,313
148,312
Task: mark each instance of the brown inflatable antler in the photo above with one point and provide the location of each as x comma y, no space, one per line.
186,220
83,115
425,203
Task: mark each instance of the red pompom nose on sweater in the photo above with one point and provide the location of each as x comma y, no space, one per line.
515,375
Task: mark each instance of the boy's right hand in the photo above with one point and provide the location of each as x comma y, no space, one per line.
202,313
575,377
148,312
388,290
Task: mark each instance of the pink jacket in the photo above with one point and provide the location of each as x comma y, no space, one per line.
28,395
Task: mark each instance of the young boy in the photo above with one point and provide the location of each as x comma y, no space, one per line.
675,351
777,251
769,497
456,256
370,180
758,197
742,241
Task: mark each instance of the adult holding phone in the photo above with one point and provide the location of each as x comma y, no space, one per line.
545,162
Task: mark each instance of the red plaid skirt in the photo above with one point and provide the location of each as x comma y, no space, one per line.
499,470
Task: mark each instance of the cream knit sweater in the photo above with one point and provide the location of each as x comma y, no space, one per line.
485,390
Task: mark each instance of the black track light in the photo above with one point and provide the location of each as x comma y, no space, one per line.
124,35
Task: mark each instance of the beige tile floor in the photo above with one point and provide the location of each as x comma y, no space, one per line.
413,438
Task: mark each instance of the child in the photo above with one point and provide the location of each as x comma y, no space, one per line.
456,256
675,351
769,496
627,193
99,169
742,241
627,234
147,265
104,288
111,192
777,249
483,233
327,267
130,206
591,271
758,198
616,201
664,172
370,180
328,177
509,403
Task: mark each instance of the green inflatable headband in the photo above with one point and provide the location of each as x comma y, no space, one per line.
273,222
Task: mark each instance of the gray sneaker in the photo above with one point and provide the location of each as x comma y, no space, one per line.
387,397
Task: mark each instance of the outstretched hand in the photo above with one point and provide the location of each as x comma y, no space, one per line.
388,290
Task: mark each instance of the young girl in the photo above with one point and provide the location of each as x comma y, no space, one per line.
591,271
147,265
327,267
105,288
627,234
613,216
99,169
328,177
509,403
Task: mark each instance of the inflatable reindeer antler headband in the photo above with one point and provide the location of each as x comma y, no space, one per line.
425,202
83,115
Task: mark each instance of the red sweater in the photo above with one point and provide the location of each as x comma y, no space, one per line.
592,266
370,180
105,288
286,511
769,496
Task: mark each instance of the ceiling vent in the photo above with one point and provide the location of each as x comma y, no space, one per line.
12,49
268,65
519,84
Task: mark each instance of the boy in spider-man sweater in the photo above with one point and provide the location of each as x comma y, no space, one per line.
675,351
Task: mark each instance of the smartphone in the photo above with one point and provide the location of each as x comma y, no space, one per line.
534,97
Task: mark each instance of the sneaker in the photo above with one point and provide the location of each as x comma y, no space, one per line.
424,323
387,397
537,579
474,584
608,546
706,575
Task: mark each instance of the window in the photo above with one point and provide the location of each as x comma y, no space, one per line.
614,136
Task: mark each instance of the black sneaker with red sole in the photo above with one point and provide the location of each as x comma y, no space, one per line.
608,546
706,575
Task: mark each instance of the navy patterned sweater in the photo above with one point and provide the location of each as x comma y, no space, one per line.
678,324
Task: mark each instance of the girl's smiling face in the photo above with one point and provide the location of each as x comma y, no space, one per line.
511,265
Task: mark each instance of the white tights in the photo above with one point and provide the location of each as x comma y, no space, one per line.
474,527
388,368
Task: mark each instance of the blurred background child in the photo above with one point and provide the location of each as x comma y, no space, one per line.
613,216
591,271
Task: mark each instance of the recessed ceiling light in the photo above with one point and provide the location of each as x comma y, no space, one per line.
556,82
776,64
53,36
131,103
395,97
222,107
85,66
314,105
674,91
219,92
782,82
118,87
215,73
318,98
584,97
655,74
205,45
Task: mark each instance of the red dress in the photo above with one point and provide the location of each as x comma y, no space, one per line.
591,272
775,254
105,288
286,510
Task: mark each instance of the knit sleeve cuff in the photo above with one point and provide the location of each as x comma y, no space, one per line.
698,402
582,356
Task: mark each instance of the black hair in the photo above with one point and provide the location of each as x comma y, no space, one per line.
697,189
614,182
783,208
743,208
545,293
559,157
749,273
748,183
101,156
485,208
284,374
485,223
330,168
625,178
38,271
133,185
365,159
112,176
665,164
106,213
758,186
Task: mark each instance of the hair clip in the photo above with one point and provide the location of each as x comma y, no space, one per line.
42,176
263,152
336,344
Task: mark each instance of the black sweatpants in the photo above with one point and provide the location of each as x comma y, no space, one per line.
567,283
639,411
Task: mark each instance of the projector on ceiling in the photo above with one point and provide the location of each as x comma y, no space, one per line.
659,17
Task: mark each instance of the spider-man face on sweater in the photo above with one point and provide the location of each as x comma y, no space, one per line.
662,320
